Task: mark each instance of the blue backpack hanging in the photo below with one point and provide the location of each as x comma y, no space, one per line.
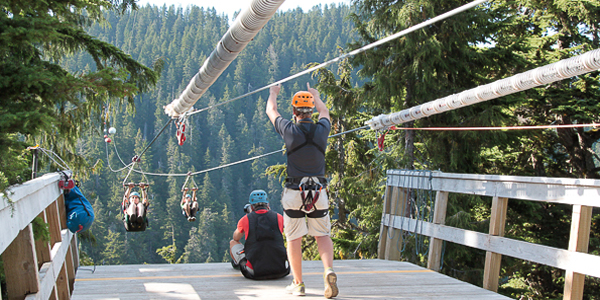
80,214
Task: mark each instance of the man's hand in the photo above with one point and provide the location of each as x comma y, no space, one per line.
275,89
271,109
319,105
314,92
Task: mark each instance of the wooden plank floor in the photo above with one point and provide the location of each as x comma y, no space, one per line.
357,279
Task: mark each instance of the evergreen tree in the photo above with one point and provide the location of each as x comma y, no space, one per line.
43,101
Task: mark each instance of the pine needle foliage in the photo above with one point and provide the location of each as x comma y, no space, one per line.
42,102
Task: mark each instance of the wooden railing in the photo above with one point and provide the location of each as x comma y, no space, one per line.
37,269
582,194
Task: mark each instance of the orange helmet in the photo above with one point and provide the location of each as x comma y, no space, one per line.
303,99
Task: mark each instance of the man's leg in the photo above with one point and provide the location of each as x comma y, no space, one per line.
235,250
186,207
294,252
325,250
194,209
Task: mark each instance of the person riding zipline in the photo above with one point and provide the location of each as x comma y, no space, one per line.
133,208
189,204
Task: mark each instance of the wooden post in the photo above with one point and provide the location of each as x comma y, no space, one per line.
439,217
75,251
62,211
54,223
20,266
42,248
394,236
578,242
62,285
70,267
383,231
491,273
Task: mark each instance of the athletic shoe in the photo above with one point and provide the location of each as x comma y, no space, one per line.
193,218
296,289
140,220
190,219
331,289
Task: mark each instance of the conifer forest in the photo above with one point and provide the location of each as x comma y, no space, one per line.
68,73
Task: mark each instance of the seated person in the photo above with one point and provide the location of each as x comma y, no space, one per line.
135,210
189,205
263,256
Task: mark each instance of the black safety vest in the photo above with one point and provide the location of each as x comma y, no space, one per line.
308,136
264,247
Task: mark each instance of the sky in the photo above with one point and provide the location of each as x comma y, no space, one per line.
231,6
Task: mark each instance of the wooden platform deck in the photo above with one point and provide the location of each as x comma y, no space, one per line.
357,279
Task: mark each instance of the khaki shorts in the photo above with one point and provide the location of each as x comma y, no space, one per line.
295,228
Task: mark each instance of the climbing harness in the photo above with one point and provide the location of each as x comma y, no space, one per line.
309,191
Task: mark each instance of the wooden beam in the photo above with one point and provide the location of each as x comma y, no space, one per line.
42,248
394,236
578,242
583,263
439,217
62,285
52,213
51,271
493,260
383,230
75,251
542,189
70,267
62,211
26,201
20,266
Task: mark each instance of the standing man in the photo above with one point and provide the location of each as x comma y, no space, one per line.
263,255
304,200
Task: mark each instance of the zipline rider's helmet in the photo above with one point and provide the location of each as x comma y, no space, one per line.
258,196
134,194
303,102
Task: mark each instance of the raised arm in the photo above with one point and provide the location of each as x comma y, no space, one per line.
127,192
319,105
271,111
144,195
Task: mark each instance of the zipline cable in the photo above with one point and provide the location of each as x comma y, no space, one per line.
117,152
361,128
137,157
108,161
237,162
64,165
351,53
325,64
